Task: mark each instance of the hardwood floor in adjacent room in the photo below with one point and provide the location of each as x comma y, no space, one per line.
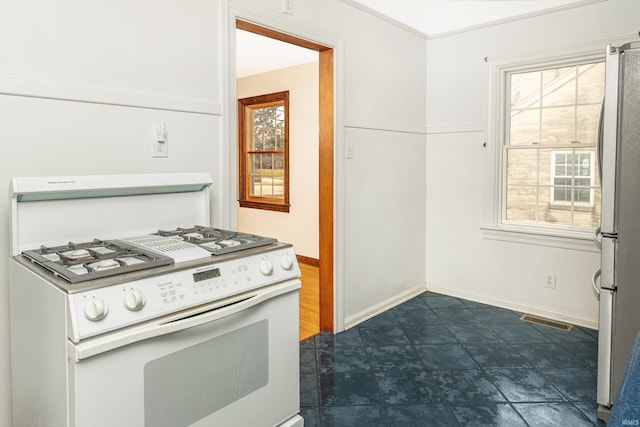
309,302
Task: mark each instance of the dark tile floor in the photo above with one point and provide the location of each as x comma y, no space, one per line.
442,361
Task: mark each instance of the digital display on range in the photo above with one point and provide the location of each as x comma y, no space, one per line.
206,275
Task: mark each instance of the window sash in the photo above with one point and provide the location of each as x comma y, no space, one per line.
575,111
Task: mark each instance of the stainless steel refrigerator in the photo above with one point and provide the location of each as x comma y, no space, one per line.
619,233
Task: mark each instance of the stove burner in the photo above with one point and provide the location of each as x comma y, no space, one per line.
105,264
75,254
218,241
78,262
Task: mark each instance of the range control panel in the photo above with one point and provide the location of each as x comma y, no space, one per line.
112,307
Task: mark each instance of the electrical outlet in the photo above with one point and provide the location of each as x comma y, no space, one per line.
550,280
159,149
159,144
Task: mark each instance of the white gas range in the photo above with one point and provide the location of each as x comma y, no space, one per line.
179,325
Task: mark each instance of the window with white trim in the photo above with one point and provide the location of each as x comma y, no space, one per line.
550,118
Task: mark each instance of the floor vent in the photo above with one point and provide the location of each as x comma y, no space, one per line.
547,322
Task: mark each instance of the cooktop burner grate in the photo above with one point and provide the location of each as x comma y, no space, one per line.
218,241
79,262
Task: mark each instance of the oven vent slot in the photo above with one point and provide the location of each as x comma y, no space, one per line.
547,322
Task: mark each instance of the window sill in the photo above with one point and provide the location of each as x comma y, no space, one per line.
579,241
277,207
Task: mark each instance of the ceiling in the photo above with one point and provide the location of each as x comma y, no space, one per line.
256,54
432,17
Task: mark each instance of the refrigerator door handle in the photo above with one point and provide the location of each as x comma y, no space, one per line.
607,144
608,263
605,337
594,284
600,140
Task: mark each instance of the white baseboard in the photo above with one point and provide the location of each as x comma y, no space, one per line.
357,318
571,318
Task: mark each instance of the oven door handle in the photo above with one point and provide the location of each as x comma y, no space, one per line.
177,322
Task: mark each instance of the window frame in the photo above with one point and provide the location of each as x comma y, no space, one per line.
245,199
493,227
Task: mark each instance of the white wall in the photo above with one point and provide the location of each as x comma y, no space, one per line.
82,83
459,260
300,225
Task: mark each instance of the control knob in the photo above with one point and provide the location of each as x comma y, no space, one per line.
134,300
266,268
96,309
286,262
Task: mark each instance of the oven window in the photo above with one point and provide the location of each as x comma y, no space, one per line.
188,385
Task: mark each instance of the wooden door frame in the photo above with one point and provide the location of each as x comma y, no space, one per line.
326,162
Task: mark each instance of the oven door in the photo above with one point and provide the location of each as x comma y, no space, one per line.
235,365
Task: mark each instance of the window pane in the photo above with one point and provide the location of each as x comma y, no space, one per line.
255,163
266,163
521,203
521,166
546,214
525,127
562,181
591,83
582,195
279,116
583,164
279,139
562,191
559,87
268,128
525,90
562,166
558,125
587,122
278,160
256,188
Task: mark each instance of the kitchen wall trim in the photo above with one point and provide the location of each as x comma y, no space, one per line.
514,18
574,319
361,123
388,19
561,239
383,306
108,96
456,128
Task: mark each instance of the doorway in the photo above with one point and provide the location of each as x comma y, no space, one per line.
325,166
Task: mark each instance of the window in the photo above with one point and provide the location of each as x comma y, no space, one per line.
572,178
550,117
263,123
